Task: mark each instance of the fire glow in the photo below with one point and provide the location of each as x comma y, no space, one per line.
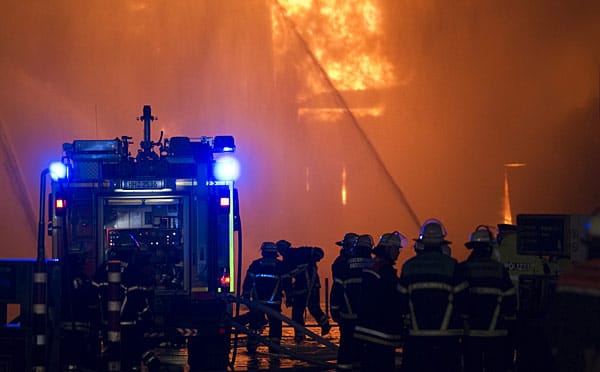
344,37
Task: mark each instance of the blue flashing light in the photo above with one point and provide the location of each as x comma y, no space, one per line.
58,171
227,168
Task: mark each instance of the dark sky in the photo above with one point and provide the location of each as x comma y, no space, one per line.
460,88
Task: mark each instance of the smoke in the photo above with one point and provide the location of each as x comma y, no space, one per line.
474,85
491,83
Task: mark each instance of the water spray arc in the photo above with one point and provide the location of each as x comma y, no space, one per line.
346,108
12,168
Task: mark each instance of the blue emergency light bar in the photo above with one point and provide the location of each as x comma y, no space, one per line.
223,144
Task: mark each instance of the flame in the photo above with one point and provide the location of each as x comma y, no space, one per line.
344,191
344,36
507,209
332,114
307,180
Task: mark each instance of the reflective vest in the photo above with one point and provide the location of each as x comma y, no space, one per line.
491,297
379,318
266,281
433,293
345,291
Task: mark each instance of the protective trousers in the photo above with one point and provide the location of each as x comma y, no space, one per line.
485,354
431,354
349,350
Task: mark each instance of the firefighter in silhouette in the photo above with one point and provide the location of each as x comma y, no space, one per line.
490,308
266,282
340,262
301,264
379,322
345,297
137,285
80,316
432,292
573,322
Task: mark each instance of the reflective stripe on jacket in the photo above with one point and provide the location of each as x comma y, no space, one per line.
491,297
433,293
345,291
266,281
379,314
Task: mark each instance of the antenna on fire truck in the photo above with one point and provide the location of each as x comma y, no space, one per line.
147,143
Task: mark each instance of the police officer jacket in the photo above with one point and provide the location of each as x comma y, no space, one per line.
345,291
266,280
379,318
432,292
491,299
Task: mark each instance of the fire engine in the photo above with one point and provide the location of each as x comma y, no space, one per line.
160,229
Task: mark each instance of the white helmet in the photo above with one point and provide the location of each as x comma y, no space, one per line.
433,233
388,243
482,237
363,246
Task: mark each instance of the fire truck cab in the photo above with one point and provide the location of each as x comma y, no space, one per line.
173,215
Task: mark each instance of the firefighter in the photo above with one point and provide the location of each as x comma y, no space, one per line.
572,323
135,313
266,282
379,322
301,264
432,293
345,297
491,306
340,263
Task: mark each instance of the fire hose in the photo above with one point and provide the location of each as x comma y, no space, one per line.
281,349
254,305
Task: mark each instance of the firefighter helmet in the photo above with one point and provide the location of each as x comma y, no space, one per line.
348,241
362,246
282,245
389,245
268,249
316,254
433,233
482,237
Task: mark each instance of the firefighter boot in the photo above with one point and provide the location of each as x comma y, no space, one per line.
299,338
252,342
325,326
